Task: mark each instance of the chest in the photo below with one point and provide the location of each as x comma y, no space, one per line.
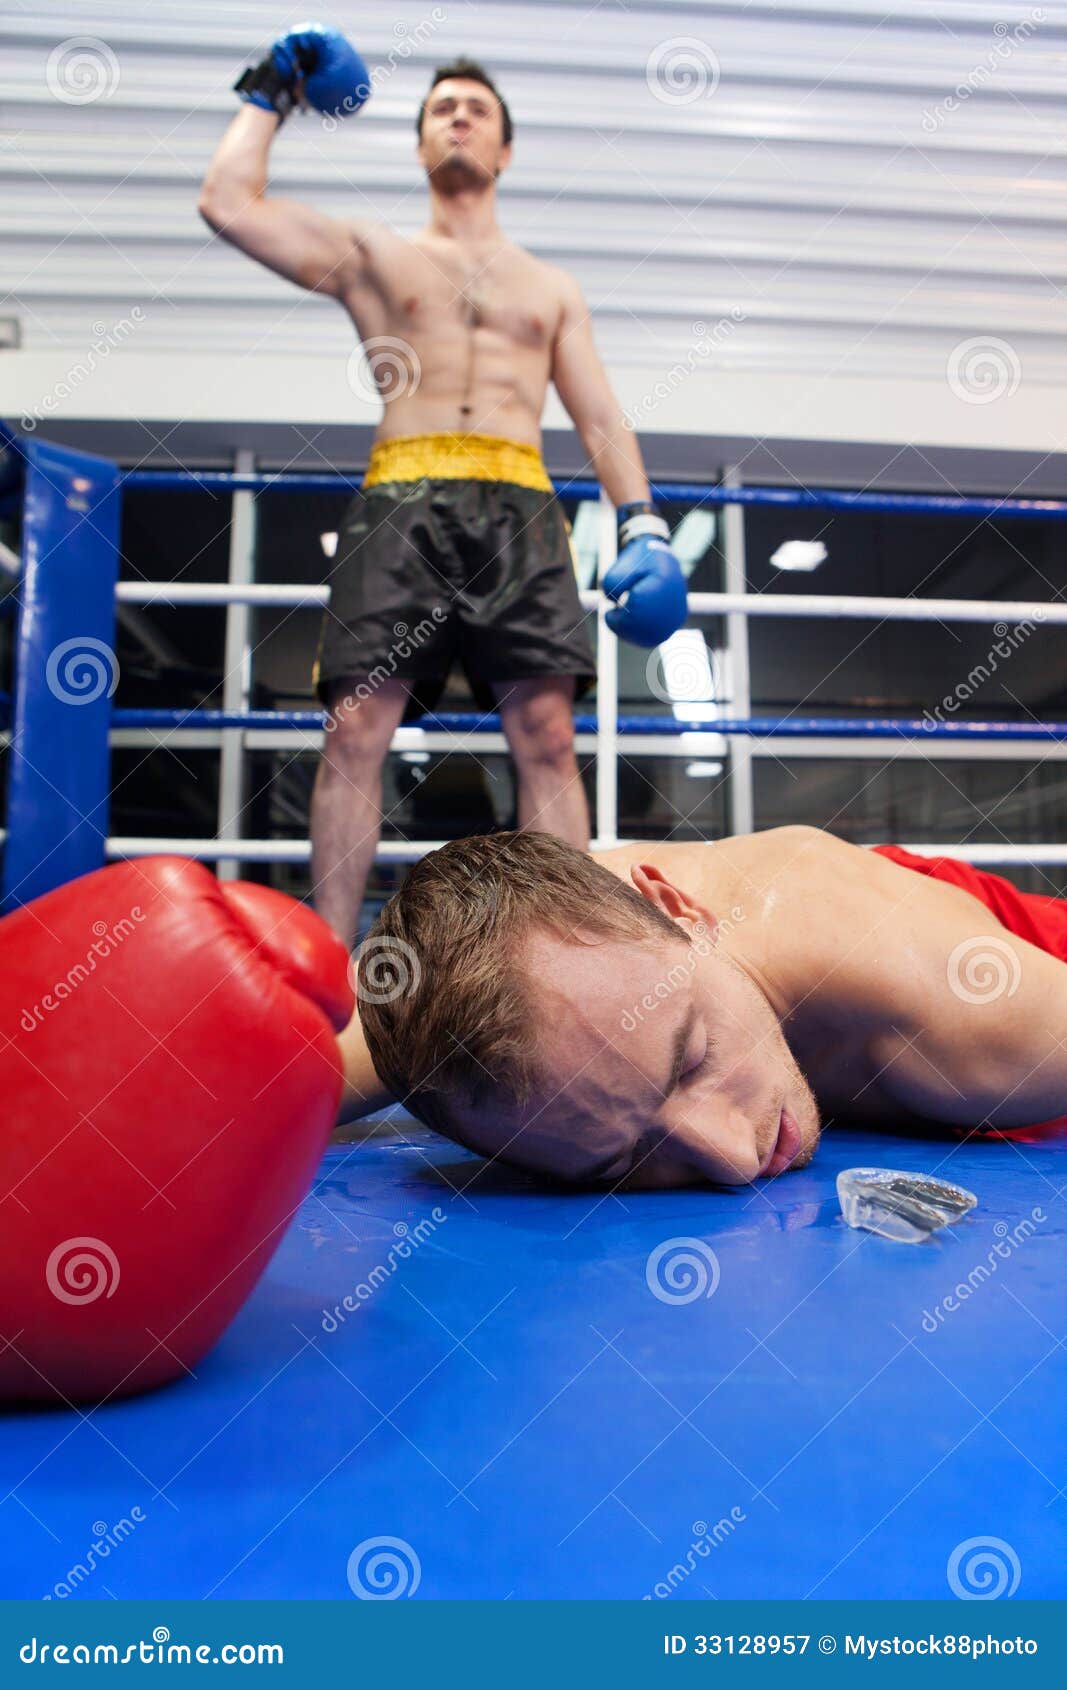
438,291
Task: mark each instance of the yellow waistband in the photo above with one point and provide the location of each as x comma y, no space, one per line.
456,457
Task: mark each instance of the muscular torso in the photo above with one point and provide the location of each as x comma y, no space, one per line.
855,953
473,326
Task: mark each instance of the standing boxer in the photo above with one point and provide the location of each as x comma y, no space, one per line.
456,545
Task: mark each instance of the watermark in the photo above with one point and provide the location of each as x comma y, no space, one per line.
1008,640
82,69
106,338
682,1270
1008,1241
107,939
157,1651
684,670
981,74
384,969
408,1241
701,944
983,369
705,1539
383,367
963,1645
408,640
408,40
81,670
82,1270
105,1539
982,1569
983,970
382,1568
707,340
682,70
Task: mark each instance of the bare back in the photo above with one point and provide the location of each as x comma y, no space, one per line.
474,325
866,963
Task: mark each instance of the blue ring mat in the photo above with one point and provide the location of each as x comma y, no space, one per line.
512,1401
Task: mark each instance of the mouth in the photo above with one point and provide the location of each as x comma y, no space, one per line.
786,1147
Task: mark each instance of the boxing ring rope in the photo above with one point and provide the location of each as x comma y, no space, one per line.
409,851
766,727
715,604
693,493
58,786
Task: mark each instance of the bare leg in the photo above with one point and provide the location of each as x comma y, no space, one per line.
346,805
538,718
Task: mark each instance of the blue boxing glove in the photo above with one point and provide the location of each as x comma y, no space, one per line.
311,61
649,573
336,80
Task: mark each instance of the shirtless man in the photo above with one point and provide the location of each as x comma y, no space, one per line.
661,1015
456,544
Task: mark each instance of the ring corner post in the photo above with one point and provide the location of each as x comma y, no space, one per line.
66,671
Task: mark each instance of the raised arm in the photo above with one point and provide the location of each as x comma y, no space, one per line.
316,252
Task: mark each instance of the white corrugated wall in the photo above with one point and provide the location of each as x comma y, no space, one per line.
788,219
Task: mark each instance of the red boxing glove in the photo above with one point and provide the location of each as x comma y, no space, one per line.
170,1078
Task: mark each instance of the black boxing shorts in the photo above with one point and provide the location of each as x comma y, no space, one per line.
454,548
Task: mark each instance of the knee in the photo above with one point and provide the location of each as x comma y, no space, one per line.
544,735
356,730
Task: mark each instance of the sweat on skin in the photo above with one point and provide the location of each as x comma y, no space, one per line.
835,993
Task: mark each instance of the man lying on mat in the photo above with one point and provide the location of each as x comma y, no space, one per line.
669,1014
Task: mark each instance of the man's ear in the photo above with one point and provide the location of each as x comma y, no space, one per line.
696,920
504,160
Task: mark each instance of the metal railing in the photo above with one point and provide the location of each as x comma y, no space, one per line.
58,783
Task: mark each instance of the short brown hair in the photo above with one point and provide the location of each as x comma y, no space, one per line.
468,70
444,1000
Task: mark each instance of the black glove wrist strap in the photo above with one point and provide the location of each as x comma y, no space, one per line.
266,78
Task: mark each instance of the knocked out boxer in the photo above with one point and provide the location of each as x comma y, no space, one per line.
456,545
668,1014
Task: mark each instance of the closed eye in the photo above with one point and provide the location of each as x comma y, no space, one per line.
703,1065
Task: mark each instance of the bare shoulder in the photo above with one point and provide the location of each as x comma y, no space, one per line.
376,250
376,238
568,290
794,843
564,281
786,859
765,854
673,858
553,281
965,1017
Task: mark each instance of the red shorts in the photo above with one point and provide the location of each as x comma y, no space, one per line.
1041,920
1029,915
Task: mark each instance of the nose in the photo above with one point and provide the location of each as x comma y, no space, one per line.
717,1144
